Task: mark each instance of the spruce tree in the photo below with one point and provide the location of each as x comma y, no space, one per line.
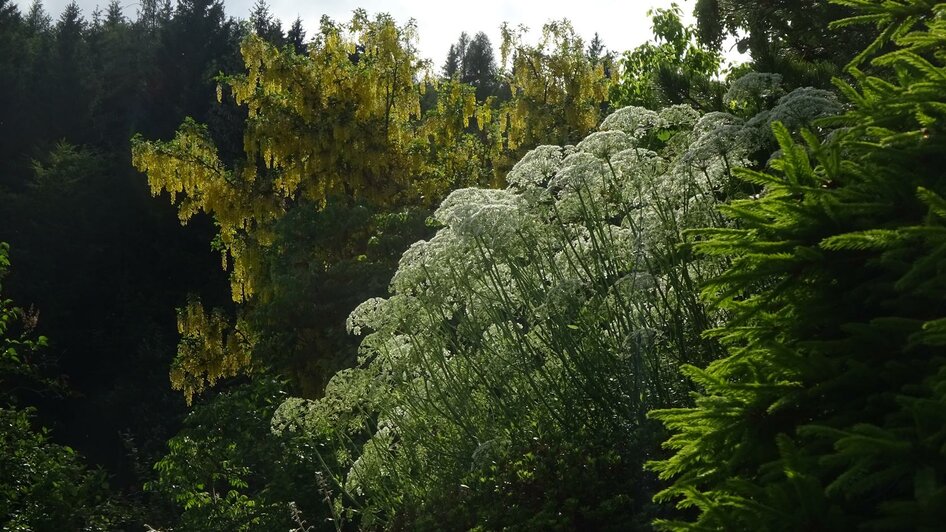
296,36
265,25
479,67
829,412
452,65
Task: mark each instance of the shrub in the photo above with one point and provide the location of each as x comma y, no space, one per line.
506,380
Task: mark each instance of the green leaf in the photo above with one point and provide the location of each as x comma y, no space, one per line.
863,240
933,200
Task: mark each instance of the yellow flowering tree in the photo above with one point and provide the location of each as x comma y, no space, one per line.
334,141
559,95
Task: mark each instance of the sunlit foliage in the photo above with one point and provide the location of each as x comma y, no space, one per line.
827,413
341,125
557,92
673,69
540,321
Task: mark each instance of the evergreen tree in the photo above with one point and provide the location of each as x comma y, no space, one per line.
108,311
478,67
114,16
115,62
148,15
296,37
828,412
596,50
471,61
38,19
198,44
265,25
71,85
153,15
12,57
452,64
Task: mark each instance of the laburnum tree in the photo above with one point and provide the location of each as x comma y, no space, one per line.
336,154
557,92
828,412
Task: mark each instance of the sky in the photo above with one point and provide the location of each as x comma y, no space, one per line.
622,25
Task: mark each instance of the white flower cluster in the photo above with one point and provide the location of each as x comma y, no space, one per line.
720,136
605,144
504,271
367,314
635,121
535,169
728,139
527,295
753,90
639,122
481,214
678,117
800,108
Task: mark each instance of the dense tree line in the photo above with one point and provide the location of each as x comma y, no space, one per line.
99,264
561,288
